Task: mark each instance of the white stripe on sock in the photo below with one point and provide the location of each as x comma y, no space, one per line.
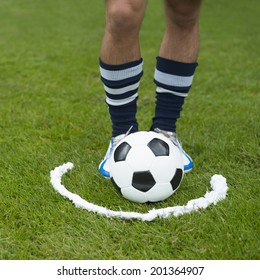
118,75
164,90
121,101
117,91
173,80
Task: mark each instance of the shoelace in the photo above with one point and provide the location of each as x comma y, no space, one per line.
168,134
119,138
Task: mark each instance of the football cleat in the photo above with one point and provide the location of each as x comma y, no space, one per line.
104,164
187,161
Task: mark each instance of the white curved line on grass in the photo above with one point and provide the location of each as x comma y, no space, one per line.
218,185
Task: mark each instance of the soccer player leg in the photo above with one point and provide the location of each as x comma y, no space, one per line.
121,68
176,65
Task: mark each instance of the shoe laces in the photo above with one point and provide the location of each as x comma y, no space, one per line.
169,134
120,137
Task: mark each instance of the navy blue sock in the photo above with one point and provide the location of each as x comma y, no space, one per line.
121,83
173,80
123,117
167,111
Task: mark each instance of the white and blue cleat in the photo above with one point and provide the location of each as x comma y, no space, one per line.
104,165
187,161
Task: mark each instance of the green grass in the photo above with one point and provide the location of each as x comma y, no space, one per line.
52,111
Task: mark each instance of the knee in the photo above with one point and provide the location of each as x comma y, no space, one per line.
124,19
184,14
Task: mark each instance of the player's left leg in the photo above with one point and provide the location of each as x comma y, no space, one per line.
176,64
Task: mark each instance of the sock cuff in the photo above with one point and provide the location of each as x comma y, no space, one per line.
116,67
175,67
122,71
174,77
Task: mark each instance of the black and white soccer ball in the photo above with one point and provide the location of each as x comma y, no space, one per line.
146,167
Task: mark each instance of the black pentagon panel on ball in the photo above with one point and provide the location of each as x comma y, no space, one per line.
159,147
143,181
121,152
176,180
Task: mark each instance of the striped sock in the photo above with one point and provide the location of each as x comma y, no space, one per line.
121,83
173,80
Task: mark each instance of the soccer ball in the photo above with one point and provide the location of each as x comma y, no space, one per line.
146,167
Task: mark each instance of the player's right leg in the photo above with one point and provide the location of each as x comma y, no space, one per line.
121,67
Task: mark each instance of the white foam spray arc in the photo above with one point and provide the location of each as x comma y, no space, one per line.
218,185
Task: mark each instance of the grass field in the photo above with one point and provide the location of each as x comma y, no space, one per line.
52,111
